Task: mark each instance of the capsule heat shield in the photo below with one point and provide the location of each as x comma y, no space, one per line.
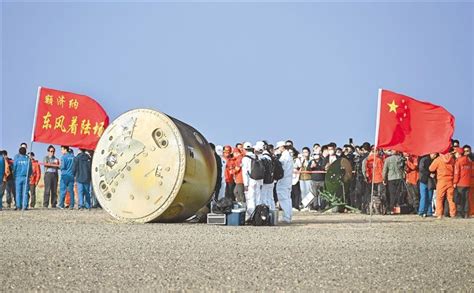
150,167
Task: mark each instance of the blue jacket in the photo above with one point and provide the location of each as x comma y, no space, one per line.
83,168
21,166
67,165
2,169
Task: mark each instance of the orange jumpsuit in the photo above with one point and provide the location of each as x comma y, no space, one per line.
412,170
237,164
36,176
444,168
378,177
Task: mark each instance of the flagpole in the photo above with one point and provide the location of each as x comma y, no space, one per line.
31,149
377,125
36,115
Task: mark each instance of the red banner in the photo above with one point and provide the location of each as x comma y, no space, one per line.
64,118
413,126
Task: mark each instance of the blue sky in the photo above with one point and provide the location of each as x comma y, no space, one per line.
240,71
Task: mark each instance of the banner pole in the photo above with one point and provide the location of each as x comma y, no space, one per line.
377,125
36,115
27,182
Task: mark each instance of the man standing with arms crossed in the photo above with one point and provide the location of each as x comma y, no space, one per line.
51,166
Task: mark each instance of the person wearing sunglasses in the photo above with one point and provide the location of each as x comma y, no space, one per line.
51,166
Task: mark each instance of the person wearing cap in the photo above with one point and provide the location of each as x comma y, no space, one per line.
22,171
444,168
283,186
258,151
462,178
239,193
34,179
251,186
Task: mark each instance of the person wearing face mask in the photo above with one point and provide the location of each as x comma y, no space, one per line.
317,179
305,178
331,155
283,186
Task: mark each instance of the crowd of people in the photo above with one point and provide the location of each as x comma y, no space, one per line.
376,181
22,174
278,176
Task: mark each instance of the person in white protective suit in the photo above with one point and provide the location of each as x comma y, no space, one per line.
267,188
252,187
220,152
283,186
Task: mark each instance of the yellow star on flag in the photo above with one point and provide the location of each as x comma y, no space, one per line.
393,107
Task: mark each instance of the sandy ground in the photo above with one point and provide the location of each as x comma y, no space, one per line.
75,250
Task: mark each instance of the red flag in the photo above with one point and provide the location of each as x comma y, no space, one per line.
412,126
70,119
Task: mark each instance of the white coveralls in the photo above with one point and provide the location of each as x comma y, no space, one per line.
253,194
222,190
267,189
283,186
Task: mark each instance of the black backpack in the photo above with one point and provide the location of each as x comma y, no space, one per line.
223,206
268,174
277,169
257,169
261,216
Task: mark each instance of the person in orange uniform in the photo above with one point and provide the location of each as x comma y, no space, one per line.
34,179
238,179
376,174
444,168
470,155
411,169
462,178
229,172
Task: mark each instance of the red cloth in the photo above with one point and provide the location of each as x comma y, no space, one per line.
412,126
70,119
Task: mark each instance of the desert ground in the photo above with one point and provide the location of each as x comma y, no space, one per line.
77,250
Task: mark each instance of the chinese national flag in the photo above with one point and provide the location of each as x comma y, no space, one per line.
413,126
69,119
